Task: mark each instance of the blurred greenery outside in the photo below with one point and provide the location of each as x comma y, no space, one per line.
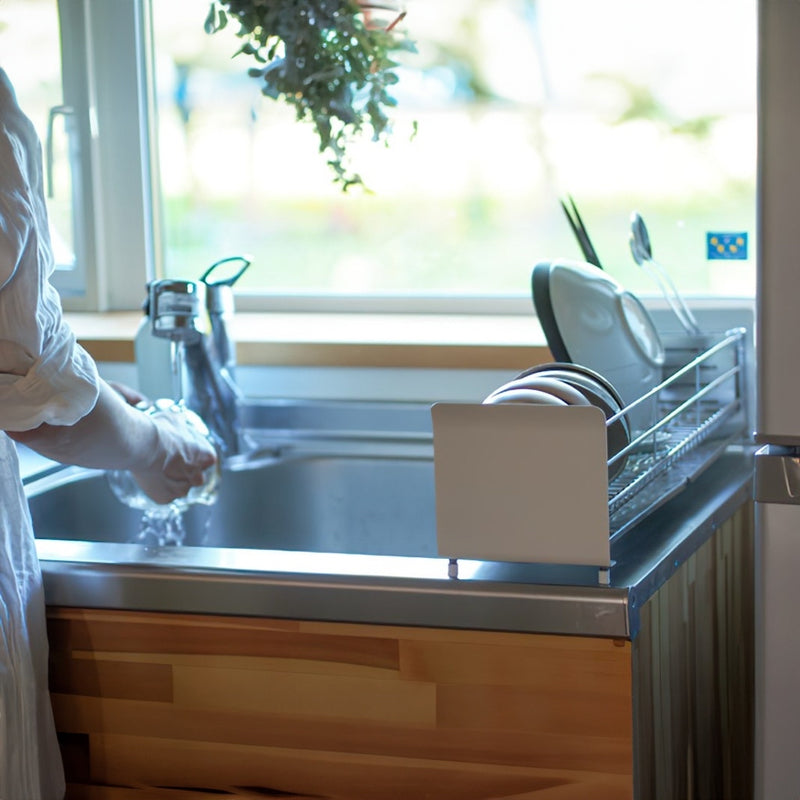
485,248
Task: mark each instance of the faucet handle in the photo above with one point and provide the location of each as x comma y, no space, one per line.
231,279
177,310
219,293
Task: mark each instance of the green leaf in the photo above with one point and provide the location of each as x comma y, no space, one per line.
318,56
210,25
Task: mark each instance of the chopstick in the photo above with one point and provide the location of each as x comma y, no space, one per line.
581,234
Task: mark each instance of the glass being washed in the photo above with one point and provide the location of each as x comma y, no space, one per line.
162,523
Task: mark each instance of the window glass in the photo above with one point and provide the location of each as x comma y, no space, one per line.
31,56
624,105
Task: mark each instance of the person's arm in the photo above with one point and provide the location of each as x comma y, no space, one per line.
165,456
44,374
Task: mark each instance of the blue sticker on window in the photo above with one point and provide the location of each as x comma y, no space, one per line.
726,246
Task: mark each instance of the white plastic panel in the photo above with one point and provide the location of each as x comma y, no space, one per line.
522,483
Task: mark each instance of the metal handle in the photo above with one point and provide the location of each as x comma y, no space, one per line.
777,475
55,111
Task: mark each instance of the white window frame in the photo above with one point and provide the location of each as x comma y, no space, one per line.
106,83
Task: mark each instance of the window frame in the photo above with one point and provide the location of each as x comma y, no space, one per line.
115,220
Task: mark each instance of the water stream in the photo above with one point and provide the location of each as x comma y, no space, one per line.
160,529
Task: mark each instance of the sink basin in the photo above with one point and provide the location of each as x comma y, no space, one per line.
337,503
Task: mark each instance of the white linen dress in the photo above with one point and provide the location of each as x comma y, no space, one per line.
44,377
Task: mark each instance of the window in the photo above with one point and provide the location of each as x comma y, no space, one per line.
622,104
89,61
178,161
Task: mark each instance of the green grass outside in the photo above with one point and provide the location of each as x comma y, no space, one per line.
369,244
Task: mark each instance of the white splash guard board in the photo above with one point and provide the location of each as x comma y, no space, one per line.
523,483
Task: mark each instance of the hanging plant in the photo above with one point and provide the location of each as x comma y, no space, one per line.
327,58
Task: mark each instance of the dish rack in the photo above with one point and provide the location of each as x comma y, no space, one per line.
530,483
699,409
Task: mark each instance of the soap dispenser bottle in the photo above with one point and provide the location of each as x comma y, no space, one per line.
153,357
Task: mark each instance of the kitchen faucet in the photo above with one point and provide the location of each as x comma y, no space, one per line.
194,317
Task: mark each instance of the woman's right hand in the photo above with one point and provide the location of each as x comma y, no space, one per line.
180,459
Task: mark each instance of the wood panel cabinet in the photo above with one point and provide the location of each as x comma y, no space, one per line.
159,705
156,705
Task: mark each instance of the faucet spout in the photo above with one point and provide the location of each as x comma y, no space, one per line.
212,394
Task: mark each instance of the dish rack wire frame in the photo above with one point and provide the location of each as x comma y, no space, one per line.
699,409
716,404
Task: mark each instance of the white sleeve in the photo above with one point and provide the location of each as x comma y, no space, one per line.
45,376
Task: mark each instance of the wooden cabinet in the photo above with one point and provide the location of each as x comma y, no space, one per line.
252,707
158,705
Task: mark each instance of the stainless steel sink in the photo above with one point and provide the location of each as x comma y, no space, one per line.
350,478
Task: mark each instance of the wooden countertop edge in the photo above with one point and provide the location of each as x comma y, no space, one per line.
346,340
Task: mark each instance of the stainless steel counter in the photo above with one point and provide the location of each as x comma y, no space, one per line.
404,590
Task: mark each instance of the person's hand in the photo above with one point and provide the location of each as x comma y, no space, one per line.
180,459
